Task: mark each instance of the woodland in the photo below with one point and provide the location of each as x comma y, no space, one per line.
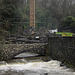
49,14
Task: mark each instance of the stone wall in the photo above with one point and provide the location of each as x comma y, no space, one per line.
11,50
62,48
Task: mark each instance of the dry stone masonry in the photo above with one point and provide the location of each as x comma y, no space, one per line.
11,50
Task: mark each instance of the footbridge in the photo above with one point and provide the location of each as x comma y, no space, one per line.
9,51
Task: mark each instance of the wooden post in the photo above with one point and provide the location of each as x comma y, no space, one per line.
32,15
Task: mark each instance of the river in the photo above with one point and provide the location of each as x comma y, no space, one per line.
32,64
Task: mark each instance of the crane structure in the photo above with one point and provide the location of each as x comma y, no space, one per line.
32,15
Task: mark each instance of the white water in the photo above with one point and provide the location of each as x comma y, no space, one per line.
35,68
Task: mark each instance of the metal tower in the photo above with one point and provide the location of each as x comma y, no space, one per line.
32,15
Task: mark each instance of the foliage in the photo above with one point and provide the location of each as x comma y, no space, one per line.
69,21
58,10
49,13
12,14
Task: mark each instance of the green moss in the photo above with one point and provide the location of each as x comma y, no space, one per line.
68,64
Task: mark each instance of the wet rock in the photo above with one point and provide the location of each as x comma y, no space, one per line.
2,62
